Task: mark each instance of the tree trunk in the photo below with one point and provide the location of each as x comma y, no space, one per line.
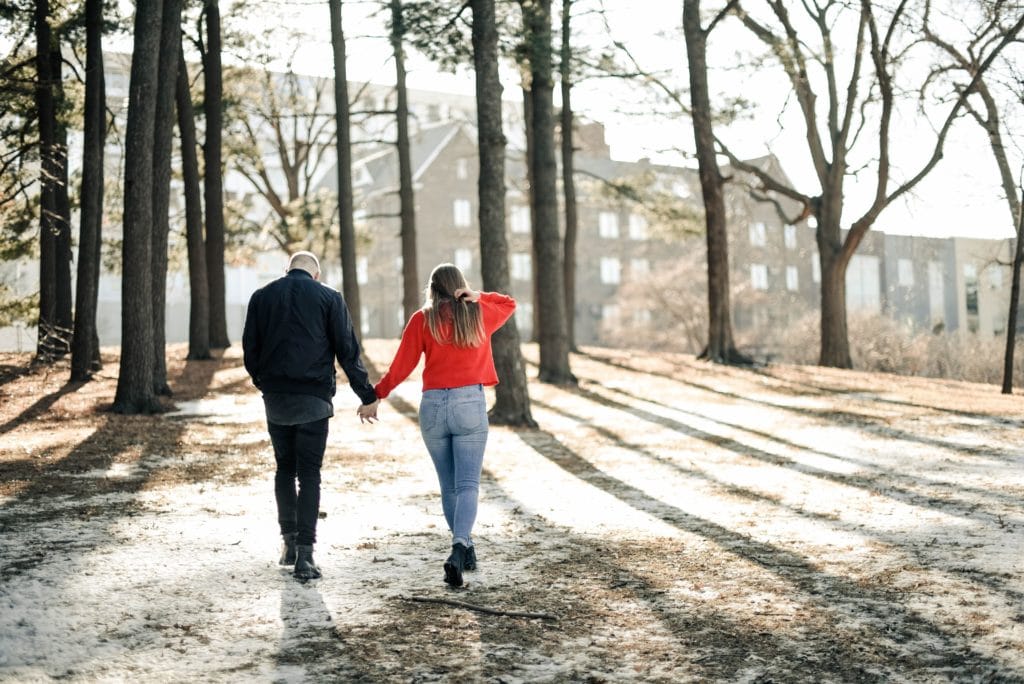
163,138
1011,323
512,400
213,181
407,207
63,302
346,219
46,347
84,351
720,348
135,379
835,342
568,182
199,293
552,338
528,124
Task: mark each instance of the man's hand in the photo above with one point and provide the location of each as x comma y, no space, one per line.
368,412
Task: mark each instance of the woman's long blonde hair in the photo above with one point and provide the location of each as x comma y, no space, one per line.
450,321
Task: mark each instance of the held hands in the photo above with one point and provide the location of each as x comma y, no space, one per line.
368,412
465,294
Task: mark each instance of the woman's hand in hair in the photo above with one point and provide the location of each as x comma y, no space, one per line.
465,294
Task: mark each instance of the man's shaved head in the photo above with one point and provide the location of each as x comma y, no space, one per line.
307,261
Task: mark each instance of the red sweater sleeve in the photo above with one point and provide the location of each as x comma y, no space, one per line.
406,358
496,308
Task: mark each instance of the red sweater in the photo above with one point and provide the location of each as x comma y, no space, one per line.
448,366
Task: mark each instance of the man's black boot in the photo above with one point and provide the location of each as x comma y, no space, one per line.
305,568
470,563
288,550
454,566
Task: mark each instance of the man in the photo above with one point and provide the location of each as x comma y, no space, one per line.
294,329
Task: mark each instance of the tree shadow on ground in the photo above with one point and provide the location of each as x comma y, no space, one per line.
993,581
901,636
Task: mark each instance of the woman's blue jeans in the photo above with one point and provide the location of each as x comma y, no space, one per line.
453,423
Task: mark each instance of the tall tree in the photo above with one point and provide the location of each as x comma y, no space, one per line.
199,292
55,318
720,347
163,137
407,204
552,337
343,140
135,379
1011,324
213,180
830,141
568,171
959,61
512,400
85,342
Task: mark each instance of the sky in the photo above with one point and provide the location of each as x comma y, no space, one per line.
961,197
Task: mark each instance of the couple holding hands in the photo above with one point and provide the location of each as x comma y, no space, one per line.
296,327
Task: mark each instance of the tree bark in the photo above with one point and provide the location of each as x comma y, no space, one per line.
199,293
213,181
163,138
1011,323
346,218
720,347
552,337
512,399
568,181
84,350
528,123
135,379
407,204
54,208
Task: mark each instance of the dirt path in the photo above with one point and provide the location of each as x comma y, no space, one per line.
682,522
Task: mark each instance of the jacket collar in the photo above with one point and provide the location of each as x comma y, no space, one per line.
298,273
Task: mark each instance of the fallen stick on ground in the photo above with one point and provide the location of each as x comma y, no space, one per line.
479,609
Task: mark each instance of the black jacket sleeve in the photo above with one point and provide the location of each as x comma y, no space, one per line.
346,350
251,341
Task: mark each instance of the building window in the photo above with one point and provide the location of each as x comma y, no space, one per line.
400,317
815,268
759,276
463,259
936,292
520,219
789,236
521,266
524,317
463,213
611,270
639,268
610,315
999,324
637,227
680,189
971,288
792,279
398,264
462,168
642,317
364,320
362,270
608,224
863,284
905,272
758,234
995,277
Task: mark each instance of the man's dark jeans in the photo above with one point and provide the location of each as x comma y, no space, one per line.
299,450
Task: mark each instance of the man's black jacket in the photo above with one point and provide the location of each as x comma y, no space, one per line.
294,329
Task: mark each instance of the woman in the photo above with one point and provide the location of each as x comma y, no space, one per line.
453,330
